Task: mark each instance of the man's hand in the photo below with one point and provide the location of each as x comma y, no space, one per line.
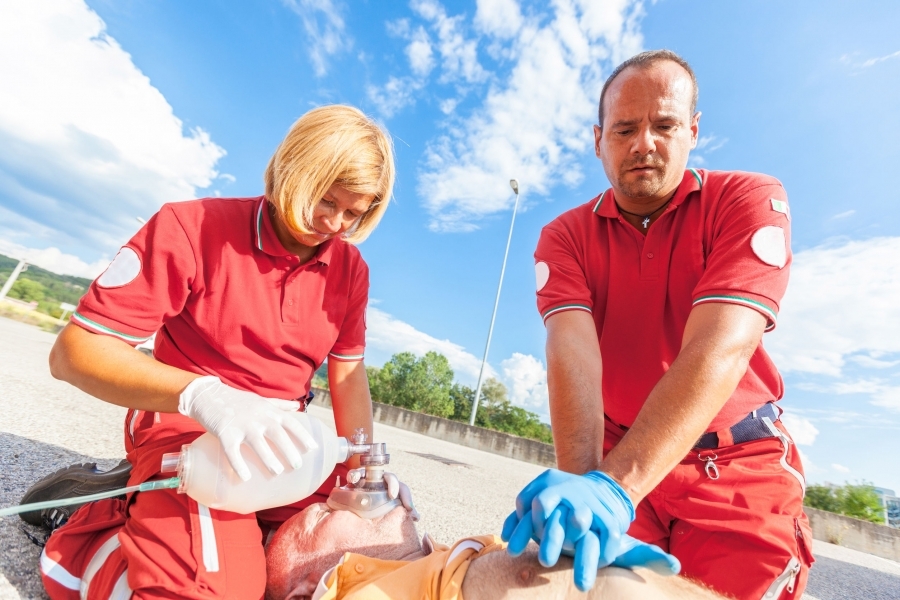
581,516
237,417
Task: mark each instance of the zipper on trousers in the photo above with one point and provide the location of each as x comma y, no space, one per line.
786,580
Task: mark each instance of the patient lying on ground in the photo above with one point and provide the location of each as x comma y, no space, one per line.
322,554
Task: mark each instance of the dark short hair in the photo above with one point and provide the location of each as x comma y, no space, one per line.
642,61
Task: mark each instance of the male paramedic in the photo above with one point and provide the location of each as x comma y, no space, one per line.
655,296
322,554
249,296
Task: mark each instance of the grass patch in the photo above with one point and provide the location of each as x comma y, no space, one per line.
31,317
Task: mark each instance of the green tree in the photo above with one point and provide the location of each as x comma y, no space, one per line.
320,377
854,500
422,384
822,497
860,501
496,412
27,290
462,396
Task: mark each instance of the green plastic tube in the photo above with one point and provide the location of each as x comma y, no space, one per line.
147,486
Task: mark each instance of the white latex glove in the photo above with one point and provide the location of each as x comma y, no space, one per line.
237,417
395,489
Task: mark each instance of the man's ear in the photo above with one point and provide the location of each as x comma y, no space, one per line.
305,589
695,129
598,133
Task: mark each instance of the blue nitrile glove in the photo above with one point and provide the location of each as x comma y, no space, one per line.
635,553
582,516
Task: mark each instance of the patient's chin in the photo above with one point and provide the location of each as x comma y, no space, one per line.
303,591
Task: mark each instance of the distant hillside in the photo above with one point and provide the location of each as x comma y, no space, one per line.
46,287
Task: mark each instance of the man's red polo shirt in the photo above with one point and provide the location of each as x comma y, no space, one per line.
724,237
228,300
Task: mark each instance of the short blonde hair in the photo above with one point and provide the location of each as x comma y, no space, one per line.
331,145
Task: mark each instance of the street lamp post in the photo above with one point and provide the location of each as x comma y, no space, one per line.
12,279
514,184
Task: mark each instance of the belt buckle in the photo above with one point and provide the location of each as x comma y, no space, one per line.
305,401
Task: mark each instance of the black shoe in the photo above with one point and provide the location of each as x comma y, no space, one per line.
70,482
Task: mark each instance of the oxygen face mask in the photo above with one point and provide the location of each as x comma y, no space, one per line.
365,493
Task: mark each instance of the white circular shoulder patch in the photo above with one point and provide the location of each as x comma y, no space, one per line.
770,246
124,268
541,274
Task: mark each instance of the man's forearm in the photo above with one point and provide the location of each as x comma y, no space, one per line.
719,341
574,382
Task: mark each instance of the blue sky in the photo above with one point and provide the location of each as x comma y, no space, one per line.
110,108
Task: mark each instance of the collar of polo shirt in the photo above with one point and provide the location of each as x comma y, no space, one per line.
691,182
266,239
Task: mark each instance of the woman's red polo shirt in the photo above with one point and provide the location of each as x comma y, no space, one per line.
228,300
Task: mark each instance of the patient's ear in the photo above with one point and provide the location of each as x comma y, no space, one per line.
427,544
305,589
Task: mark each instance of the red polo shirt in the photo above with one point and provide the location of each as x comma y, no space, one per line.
228,300
724,237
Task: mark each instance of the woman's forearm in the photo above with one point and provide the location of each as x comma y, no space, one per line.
350,399
111,370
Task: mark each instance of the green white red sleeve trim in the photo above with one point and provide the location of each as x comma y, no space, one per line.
346,357
564,307
98,328
771,315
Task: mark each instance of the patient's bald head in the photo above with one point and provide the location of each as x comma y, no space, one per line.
314,540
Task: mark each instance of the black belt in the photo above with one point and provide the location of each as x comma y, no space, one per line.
752,427
305,401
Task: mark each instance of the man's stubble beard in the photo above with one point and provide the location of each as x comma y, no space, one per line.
645,187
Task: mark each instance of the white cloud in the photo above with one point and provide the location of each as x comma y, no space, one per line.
391,335
449,105
841,302
86,142
421,58
844,215
396,94
840,468
887,397
710,143
500,18
707,144
324,28
801,429
871,362
54,259
526,379
696,161
535,124
459,55
875,61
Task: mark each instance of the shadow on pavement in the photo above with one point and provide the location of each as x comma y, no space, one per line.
25,461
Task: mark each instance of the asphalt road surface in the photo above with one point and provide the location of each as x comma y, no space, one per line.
46,424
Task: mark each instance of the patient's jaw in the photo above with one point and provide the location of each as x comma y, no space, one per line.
313,541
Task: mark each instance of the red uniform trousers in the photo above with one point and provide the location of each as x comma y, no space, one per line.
744,534
162,544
